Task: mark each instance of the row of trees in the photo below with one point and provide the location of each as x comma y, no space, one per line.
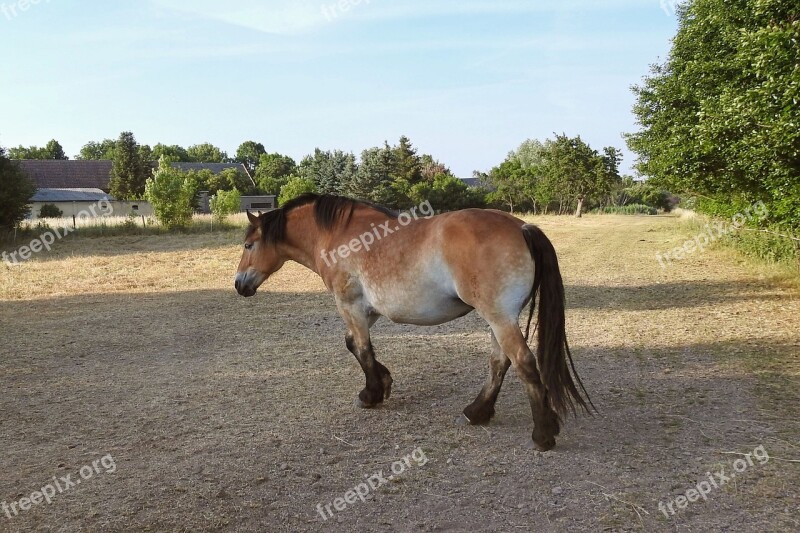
720,118
562,174
559,175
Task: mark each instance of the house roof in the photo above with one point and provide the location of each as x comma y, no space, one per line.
70,195
216,168
80,174
66,174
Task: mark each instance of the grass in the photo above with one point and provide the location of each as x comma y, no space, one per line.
115,226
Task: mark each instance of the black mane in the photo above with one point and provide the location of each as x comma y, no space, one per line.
329,210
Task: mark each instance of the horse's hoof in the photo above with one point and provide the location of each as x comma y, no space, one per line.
462,420
361,405
544,446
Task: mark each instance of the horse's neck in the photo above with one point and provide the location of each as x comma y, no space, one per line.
302,238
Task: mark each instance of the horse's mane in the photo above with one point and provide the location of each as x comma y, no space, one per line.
329,211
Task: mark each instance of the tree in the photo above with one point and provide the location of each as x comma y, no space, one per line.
225,203
407,164
447,193
172,193
332,172
206,153
508,181
294,188
174,152
16,190
249,154
719,117
55,151
580,170
52,150
128,172
273,171
95,151
430,168
374,178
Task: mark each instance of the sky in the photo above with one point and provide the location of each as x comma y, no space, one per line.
466,80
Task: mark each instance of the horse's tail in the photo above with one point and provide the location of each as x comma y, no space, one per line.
552,350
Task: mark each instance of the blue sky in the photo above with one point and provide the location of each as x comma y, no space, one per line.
466,80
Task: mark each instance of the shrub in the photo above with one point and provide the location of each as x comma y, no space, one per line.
171,193
50,211
294,188
226,203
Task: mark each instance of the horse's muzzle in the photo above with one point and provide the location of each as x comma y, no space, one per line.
244,288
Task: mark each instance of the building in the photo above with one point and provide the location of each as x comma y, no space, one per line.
259,203
85,202
74,185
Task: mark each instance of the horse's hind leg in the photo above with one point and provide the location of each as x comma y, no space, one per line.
545,420
378,378
481,410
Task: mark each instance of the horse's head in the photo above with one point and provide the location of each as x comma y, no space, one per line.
260,258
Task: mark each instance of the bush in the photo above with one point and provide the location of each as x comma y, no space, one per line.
50,211
294,188
226,203
171,193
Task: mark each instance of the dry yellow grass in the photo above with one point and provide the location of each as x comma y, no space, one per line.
229,413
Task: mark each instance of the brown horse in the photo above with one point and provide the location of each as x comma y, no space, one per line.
430,270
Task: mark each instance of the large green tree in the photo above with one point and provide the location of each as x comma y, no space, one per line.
407,164
273,172
331,171
375,176
207,153
97,150
719,118
53,150
16,190
129,171
173,152
249,153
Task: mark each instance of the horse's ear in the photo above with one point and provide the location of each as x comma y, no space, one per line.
254,221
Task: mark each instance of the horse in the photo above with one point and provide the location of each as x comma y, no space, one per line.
428,270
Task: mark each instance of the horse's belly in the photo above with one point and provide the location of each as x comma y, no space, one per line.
421,307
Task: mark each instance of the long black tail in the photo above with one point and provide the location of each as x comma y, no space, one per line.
552,350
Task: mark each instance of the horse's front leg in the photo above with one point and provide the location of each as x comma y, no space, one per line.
378,378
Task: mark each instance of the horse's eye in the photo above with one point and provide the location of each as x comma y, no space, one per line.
248,246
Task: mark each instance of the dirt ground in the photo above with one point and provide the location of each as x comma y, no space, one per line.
220,413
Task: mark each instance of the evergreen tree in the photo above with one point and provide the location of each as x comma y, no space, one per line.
407,164
128,173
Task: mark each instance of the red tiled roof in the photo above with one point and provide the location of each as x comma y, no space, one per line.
66,174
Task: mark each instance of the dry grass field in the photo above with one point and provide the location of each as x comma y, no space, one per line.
230,414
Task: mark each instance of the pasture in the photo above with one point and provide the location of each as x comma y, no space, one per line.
229,414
